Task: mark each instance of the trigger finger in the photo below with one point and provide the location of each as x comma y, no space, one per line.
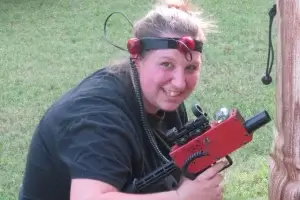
212,171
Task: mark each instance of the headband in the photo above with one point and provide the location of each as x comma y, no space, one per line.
183,44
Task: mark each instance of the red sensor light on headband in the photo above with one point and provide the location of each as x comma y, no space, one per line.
185,44
134,46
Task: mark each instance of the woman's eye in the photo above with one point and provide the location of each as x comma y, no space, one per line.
166,65
191,68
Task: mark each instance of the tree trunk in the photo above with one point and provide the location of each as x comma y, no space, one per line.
284,179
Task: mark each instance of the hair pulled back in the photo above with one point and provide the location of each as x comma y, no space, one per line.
176,17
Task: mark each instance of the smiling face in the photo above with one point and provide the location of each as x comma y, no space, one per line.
167,78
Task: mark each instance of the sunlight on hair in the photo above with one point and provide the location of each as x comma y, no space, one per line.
174,17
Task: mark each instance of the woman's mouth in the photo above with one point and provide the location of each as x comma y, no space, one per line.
172,93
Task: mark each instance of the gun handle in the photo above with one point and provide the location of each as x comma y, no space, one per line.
193,176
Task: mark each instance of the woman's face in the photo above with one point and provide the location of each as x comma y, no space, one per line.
167,78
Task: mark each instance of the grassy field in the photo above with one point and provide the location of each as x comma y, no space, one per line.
48,46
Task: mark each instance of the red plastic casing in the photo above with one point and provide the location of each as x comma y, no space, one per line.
219,141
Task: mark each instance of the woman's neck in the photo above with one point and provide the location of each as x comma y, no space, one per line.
149,108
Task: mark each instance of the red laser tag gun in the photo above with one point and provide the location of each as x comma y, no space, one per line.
200,143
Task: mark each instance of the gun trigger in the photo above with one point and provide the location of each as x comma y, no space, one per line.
229,163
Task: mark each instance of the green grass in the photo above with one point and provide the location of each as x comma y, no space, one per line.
48,46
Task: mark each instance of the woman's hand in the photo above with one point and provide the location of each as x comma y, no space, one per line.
205,187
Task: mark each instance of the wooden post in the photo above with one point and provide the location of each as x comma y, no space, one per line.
284,177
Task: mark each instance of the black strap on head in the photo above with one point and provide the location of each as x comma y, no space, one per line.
168,43
184,44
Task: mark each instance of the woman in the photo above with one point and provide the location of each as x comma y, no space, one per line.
109,129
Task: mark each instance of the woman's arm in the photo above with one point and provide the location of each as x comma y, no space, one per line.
87,189
206,186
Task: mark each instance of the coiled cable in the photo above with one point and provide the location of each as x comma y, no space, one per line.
190,159
147,130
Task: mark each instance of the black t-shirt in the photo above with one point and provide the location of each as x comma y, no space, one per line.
93,131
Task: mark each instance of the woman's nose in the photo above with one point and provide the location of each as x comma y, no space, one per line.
179,80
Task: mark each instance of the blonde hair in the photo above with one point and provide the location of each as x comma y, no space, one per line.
179,17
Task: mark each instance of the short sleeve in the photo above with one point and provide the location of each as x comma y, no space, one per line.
100,147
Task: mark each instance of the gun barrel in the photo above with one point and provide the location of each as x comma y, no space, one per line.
257,121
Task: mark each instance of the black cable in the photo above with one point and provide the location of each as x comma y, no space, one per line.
148,132
189,160
105,31
267,79
272,14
